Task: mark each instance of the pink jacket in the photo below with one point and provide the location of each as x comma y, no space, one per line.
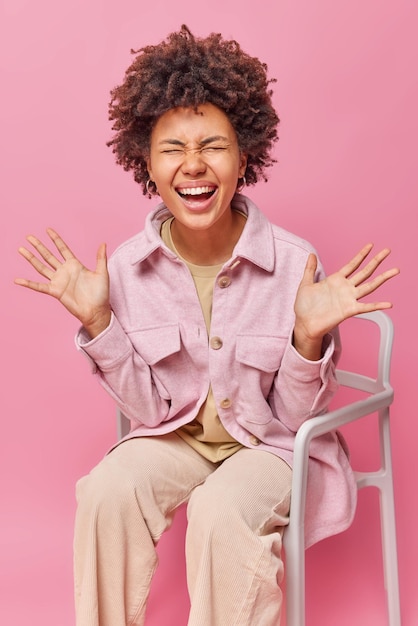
156,360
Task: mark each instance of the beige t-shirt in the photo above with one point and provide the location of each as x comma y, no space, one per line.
205,433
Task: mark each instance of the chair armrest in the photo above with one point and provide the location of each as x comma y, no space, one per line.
316,426
320,425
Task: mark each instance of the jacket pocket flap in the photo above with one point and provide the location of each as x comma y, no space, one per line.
155,344
260,351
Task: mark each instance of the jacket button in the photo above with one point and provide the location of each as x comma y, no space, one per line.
226,403
224,281
216,343
254,440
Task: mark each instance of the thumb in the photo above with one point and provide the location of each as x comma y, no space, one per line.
101,259
309,272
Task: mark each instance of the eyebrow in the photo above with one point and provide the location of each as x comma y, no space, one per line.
204,142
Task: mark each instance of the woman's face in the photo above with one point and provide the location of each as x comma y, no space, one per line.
195,163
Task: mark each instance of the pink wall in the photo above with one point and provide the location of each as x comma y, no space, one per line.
347,96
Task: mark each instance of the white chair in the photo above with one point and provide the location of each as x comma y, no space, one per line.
378,400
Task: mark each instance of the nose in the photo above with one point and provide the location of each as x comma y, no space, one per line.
193,162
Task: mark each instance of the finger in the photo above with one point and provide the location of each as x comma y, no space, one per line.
40,267
369,307
368,270
356,261
44,252
31,284
367,288
60,244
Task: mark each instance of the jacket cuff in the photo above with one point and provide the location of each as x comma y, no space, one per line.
303,369
106,350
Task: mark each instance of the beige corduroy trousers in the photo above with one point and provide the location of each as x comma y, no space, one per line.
236,512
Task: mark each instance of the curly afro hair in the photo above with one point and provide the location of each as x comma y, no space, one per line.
185,71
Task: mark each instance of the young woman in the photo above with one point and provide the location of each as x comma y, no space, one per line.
216,334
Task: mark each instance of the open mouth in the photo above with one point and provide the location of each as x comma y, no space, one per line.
196,194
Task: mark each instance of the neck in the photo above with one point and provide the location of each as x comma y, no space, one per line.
211,246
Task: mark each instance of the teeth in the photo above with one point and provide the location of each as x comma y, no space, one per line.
195,191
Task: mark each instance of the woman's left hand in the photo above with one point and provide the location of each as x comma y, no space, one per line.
321,306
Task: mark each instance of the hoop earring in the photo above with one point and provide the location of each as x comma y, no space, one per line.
148,184
242,185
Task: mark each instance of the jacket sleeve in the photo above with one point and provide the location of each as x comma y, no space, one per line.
124,374
304,388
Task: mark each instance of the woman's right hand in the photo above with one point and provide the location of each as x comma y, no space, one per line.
83,292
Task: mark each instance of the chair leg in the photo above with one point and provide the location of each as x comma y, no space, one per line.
295,580
388,525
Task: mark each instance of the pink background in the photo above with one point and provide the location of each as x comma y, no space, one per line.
347,96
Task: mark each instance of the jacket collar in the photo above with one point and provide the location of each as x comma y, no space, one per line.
255,244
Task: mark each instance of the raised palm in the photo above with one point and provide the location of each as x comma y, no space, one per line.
83,292
321,306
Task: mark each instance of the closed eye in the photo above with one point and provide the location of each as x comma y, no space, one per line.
206,149
213,148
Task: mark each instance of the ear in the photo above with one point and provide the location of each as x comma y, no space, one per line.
242,164
148,161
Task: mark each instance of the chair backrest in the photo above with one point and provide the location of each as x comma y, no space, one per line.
382,380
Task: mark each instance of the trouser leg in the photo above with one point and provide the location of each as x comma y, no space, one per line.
124,506
234,540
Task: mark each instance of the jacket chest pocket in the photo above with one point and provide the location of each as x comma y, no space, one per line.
258,358
160,348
